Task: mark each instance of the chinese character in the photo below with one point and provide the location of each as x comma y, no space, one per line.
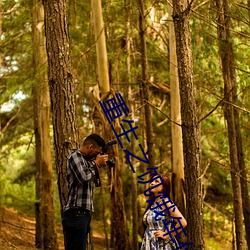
129,153
112,109
132,129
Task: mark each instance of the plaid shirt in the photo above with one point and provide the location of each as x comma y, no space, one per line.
80,179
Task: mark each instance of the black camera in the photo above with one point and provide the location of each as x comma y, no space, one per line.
110,162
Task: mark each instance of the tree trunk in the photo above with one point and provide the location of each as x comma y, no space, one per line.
101,51
144,87
131,101
61,88
1,32
117,203
46,237
176,132
189,125
231,116
243,179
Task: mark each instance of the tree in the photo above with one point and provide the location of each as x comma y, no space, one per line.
144,84
45,217
61,86
117,204
134,194
176,133
231,115
181,16
101,51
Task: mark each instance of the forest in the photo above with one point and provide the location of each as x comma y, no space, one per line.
182,70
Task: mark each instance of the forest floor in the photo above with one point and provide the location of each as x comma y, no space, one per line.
18,232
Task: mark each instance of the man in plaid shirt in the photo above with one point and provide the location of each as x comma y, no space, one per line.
80,180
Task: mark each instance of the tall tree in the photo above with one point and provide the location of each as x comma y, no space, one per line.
144,84
1,31
61,87
176,132
181,17
134,207
117,204
46,237
231,115
101,51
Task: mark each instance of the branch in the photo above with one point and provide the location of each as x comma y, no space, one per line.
90,48
218,104
14,8
161,112
200,5
205,170
10,120
247,72
242,6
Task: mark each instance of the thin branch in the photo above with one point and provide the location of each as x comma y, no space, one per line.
215,24
247,72
205,170
200,5
218,104
10,120
161,112
14,8
242,6
91,47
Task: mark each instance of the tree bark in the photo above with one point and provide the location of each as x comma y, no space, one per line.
1,31
46,237
101,51
191,146
117,204
131,101
231,116
243,178
61,87
176,131
144,86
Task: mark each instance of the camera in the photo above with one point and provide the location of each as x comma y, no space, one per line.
110,162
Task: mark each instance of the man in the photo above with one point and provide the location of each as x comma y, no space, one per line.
82,169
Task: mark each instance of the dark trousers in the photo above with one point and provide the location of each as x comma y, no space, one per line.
76,226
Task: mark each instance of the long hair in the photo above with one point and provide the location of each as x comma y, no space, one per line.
166,187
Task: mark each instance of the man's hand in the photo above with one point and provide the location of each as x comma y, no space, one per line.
101,160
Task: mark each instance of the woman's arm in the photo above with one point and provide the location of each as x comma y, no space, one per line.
180,223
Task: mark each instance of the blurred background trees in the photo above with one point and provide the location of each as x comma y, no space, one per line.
123,35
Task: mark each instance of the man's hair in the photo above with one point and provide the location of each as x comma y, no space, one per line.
94,139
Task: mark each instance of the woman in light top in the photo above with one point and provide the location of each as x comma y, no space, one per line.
158,218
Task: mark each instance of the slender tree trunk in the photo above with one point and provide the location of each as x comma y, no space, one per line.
101,51
46,237
131,101
243,179
189,125
145,88
104,219
1,62
1,32
176,132
231,115
61,88
117,203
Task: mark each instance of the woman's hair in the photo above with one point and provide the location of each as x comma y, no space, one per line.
166,187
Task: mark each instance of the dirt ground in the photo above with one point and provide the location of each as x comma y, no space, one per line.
18,232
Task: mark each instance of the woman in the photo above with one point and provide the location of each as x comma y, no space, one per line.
153,238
